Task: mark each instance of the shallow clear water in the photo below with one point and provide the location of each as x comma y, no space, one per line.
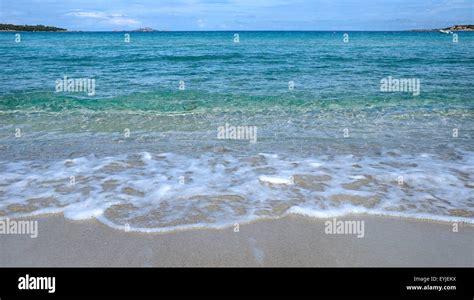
333,145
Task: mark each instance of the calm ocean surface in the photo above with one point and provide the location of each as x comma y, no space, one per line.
143,154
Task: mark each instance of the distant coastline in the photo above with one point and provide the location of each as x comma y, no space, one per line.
43,28
451,28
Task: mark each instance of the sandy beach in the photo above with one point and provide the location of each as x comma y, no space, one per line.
286,242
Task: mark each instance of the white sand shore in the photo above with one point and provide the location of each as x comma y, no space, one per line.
290,241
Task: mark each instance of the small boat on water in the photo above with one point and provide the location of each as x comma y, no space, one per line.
446,31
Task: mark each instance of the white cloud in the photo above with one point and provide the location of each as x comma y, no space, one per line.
88,14
123,21
200,23
112,18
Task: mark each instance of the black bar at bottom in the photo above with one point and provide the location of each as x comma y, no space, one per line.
403,283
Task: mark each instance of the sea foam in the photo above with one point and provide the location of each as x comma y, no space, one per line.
158,192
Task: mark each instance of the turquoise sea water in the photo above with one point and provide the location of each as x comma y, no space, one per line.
142,153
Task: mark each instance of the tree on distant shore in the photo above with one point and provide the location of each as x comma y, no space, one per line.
11,27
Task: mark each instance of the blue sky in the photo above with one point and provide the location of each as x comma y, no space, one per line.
97,15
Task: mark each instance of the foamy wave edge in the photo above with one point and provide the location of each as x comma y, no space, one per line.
294,210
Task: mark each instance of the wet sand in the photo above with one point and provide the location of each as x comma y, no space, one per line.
291,241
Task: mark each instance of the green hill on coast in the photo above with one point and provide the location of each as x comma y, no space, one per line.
11,27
